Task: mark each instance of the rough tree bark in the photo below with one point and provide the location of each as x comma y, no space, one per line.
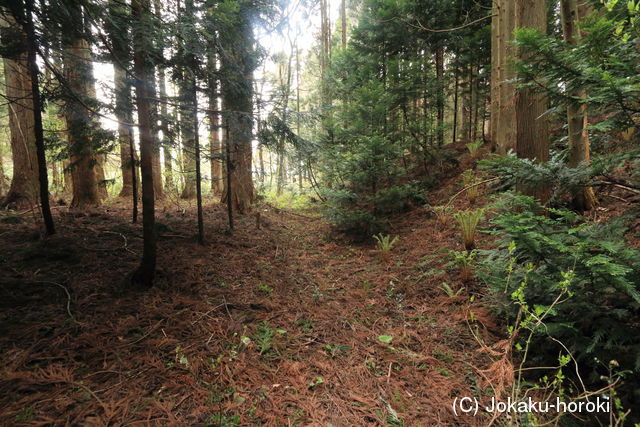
496,70
78,75
32,57
215,149
24,188
167,137
143,69
157,166
505,137
439,60
238,64
343,21
124,115
532,129
577,117
186,124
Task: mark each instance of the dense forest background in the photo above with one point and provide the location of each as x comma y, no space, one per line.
353,212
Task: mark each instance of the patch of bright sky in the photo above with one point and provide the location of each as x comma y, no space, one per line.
301,22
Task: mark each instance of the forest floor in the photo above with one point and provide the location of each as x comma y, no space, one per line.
286,324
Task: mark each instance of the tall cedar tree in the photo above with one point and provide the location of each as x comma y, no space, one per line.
532,128
577,118
23,191
143,70
117,28
22,18
78,76
237,65
187,95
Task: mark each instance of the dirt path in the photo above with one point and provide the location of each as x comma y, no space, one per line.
282,325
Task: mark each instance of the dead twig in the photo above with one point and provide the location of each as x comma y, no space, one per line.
149,332
471,186
66,292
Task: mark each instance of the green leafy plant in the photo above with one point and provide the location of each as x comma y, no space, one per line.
26,415
443,213
180,358
474,146
468,221
599,320
385,244
337,350
263,337
222,420
449,290
464,260
316,382
470,181
265,289
386,339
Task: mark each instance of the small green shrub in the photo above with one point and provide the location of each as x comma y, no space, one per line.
361,215
265,289
448,290
392,200
464,260
470,181
11,219
474,146
443,213
468,221
385,243
264,337
600,320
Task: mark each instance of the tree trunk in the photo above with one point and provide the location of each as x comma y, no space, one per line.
163,119
343,19
124,115
237,92
23,16
223,146
194,119
215,149
505,137
32,54
80,122
158,190
186,124
143,70
439,60
475,103
577,118
532,130
455,106
325,51
24,189
496,71
4,181
188,149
